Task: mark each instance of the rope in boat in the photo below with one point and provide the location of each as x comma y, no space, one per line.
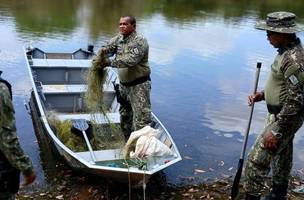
129,180
144,185
141,165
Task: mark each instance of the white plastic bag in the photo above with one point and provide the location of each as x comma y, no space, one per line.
144,143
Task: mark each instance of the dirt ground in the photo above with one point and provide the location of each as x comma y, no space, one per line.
64,184
74,186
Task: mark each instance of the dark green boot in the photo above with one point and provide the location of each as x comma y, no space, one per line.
278,192
252,197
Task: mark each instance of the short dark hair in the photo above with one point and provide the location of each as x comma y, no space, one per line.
131,19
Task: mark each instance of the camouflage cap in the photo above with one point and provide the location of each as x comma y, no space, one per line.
282,22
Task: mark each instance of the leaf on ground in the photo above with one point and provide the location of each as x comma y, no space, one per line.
186,194
59,197
191,190
61,187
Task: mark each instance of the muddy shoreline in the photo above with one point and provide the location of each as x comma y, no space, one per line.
71,185
63,183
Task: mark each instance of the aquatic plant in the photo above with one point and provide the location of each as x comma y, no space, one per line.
63,131
103,136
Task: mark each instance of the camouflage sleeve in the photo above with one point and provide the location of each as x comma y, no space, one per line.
111,47
293,104
136,51
9,144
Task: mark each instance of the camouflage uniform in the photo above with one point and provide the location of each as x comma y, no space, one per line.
284,97
131,61
14,156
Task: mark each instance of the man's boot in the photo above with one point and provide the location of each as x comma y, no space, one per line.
252,197
278,192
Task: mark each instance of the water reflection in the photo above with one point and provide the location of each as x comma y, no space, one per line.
41,18
204,40
202,53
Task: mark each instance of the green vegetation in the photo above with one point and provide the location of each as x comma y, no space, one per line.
65,135
103,137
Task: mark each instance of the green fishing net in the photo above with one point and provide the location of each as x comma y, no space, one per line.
63,131
109,135
104,136
96,77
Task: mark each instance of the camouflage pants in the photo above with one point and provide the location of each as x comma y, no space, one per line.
260,159
136,113
7,196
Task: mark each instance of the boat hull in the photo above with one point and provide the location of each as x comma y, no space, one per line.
64,93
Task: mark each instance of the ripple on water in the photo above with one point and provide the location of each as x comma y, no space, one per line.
228,135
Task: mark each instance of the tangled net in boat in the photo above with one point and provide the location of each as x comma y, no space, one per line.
63,131
101,137
108,136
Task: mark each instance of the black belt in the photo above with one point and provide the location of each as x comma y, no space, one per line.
274,109
137,81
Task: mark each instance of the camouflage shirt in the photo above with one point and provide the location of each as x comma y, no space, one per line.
9,144
131,56
284,86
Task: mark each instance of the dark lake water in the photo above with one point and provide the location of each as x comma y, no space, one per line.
203,55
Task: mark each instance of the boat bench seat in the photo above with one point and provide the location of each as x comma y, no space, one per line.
97,118
65,71
72,63
71,98
74,88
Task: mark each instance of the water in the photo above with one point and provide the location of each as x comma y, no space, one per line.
202,54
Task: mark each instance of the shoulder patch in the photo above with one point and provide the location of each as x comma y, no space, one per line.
135,51
293,79
292,69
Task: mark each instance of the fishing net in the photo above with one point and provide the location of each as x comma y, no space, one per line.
107,135
95,80
101,136
125,163
63,131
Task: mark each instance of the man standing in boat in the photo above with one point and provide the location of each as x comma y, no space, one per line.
12,158
131,52
284,98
